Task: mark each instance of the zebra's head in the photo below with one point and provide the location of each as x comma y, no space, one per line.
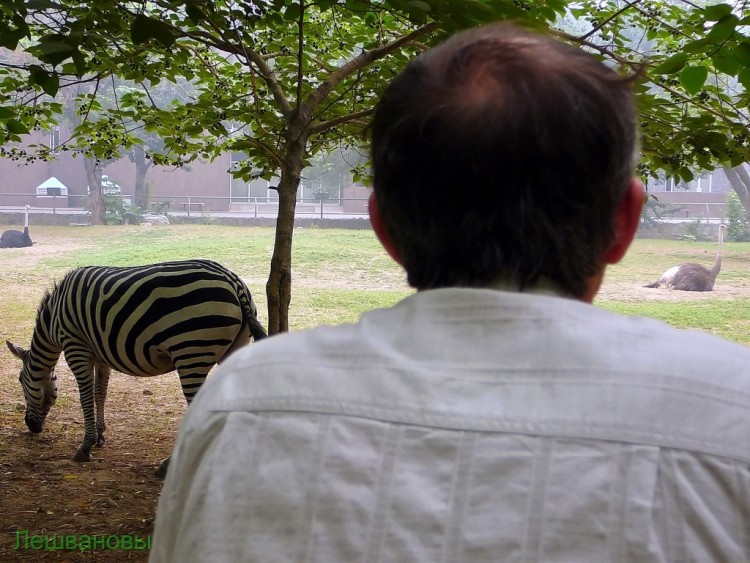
39,389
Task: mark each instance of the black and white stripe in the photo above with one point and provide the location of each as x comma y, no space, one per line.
143,321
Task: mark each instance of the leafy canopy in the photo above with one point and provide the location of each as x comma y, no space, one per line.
252,65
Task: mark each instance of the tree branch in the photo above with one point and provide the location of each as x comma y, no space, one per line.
598,26
659,21
300,54
360,61
603,50
740,181
325,125
266,148
223,44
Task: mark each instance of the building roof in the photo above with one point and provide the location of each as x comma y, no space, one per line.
51,182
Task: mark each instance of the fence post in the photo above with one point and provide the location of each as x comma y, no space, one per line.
321,208
188,206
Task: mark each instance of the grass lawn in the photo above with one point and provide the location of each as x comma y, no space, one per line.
338,274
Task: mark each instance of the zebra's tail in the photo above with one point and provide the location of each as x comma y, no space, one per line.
655,284
256,329
251,314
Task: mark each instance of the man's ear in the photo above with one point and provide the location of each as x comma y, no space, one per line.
376,220
627,219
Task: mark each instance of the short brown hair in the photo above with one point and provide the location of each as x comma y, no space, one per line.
501,155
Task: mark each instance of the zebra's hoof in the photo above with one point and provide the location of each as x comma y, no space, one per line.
82,456
100,441
162,471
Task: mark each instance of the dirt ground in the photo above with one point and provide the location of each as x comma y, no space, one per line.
635,292
43,491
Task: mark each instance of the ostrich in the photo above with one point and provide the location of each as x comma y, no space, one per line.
17,239
692,277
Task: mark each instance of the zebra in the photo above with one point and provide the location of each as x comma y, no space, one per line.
143,321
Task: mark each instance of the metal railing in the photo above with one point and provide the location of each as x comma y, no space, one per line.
708,212
192,205
322,208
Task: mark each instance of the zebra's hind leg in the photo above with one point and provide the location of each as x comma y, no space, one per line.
163,466
101,373
193,373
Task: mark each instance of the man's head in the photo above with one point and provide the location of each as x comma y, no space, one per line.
503,156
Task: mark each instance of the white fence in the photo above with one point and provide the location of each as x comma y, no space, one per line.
194,205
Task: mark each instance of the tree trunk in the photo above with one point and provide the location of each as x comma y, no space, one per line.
142,164
740,180
94,178
279,285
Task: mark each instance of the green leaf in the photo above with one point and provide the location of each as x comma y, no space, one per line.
696,46
673,64
42,5
49,81
6,113
10,37
419,5
80,63
742,53
744,78
717,11
141,30
145,28
194,13
292,12
53,50
726,64
685,173
692,78
16,127
723,29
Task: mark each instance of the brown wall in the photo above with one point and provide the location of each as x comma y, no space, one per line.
199,178
18,180
17,177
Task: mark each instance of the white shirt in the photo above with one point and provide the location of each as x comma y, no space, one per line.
467,425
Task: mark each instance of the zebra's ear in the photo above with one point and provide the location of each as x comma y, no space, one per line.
16,350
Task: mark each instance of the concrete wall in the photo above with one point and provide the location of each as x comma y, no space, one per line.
354,199
695,205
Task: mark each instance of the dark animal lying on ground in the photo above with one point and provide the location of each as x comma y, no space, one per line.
17,239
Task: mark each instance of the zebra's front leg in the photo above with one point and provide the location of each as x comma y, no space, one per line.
83,369
101,373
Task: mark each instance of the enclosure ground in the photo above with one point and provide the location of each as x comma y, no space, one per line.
44,492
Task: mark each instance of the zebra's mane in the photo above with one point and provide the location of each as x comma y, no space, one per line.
45,299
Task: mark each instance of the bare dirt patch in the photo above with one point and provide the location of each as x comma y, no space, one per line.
45,245
629,292
44,492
